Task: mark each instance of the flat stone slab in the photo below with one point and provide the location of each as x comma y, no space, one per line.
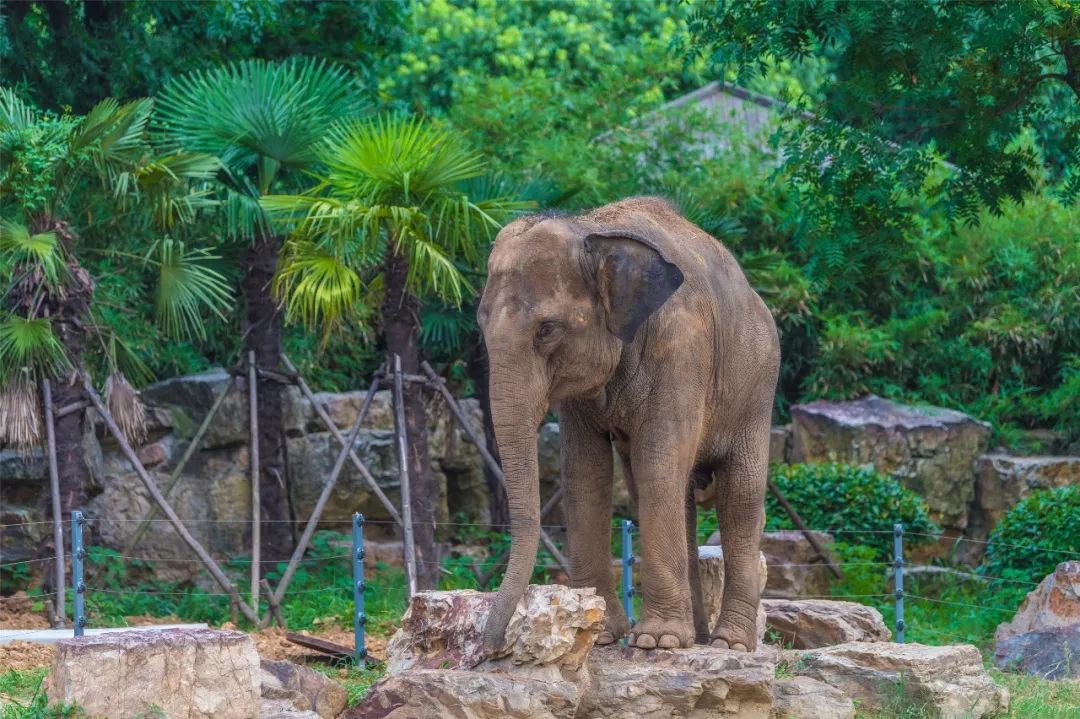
52,636
813,623
1048,654
184,674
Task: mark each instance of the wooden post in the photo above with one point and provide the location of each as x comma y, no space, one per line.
54,487
798,522
155,494
492,464
275,608
256,514
324,496
174,477
332,428
403,472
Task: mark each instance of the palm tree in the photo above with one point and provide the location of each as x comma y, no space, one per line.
389,221
263,121
78,194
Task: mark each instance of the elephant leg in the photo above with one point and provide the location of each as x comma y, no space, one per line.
740,498
662,474
697,603
587,482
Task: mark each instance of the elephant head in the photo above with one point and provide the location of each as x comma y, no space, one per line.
561,301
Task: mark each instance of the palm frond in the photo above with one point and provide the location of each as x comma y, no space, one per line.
258,116
187,286
318,286
29,346
18,248
126,408
14,113
124,359
20,414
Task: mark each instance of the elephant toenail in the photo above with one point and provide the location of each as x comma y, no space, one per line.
605,637
720,643
739,647
646,641
669,641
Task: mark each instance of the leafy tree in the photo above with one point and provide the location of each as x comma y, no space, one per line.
79,197
264,121
389,222
72,52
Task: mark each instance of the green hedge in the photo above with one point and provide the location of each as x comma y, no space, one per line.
858,504
1035,536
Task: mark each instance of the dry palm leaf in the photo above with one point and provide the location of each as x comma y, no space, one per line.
20,415
126,408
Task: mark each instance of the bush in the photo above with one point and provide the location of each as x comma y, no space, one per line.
857,504
1036,535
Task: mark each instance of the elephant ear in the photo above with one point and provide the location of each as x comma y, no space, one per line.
633,278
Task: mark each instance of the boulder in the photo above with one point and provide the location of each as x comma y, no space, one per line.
711,571
665,684
302,689
1001,481
1048,654
814,623
947,682
553,625
806,698
779,442
183,674
795,569
932,451
462,694
1053,604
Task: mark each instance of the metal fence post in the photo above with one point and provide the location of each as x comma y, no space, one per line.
78,554
898,578
628,569
359,616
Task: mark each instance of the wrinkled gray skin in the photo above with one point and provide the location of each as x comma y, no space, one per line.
643,332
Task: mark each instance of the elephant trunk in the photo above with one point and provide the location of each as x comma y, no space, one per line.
517,408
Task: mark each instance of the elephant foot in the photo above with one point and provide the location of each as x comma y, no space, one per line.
662,634
728,635
615,628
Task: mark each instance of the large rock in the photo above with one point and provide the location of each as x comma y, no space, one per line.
711,571
795,569
1001,481
947,682
663,684
930,450
814,623
461,694
184,674
1049,654
1054,603
806,698
302,689
552,625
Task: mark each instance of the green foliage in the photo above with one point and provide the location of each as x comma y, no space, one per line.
24,697
1035,536
855,503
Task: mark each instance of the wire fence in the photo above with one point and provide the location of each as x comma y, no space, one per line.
90,584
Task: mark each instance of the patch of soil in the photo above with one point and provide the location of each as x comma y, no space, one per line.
20,655
272,644
16,612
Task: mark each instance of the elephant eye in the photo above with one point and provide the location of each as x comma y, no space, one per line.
547,329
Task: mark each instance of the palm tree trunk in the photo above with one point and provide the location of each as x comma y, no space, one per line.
400,314
263,336
477,367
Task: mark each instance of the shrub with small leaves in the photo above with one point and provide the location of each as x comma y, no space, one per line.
857,504
1040,532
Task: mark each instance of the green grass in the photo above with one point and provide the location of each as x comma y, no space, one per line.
22,696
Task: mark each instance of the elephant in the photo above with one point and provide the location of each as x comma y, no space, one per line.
642,332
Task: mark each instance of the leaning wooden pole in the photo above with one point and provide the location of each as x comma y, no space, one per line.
54,487
489,460
403,472
798,522
155,494
324,496
174,477
256,513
